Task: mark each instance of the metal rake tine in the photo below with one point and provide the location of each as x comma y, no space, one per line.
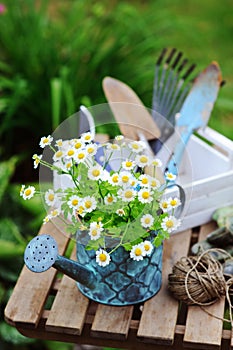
156,78
164,71
174,89
167,86
179,95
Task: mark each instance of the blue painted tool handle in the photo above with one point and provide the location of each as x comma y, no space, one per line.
173,164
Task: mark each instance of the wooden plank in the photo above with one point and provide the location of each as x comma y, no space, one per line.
201,328
69,308
30,293
112,322
159,314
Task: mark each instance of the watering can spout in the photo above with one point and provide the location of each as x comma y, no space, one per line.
41,253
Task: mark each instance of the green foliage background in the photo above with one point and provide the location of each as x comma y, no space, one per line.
53,57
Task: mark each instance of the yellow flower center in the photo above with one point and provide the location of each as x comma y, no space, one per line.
143,159
169,223
128,194
51,197
81,155
138,252
102,257
125,178
28,192
90,150
145,181
70,152
88,204
115,178
153,183
94,232
128,164
164,205
78,145
145,195
110,199
96,172
147,220
68,165
59,154
87,137
114,146
135,146
173,202
146,247
46,140
80,210
74,202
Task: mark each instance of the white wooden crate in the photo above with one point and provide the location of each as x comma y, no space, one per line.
206,174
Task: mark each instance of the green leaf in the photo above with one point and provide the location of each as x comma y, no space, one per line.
7,169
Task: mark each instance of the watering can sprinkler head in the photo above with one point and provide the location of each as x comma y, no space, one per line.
41,253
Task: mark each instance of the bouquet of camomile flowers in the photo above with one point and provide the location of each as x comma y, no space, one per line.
108,197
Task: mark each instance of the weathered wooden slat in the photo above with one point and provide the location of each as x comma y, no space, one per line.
201,328
112,322
69,308
159,314
30,293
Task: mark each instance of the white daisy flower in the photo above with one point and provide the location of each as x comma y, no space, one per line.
120,212
156,162
154,183
54,213
128,164
46,141
69,152
78,143
91,149
127,195
102,257
109,199
174,202
46,219
95,172
145,195
50,197
148,247
86,137
144,180
125,178
147,220
137,252
113,147
22,190
89,203
74,201
80,156
114,179
36,160
95,230
164,205
68,165
27,192
142,160
170,176
58,155
119,137
59,143
170,223
137,146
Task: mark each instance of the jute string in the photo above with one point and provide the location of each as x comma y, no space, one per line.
199,280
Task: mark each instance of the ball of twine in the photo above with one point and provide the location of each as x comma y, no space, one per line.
197,280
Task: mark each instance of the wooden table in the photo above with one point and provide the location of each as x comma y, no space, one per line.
49,306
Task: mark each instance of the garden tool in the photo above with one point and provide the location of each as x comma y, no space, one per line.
41,253
196,110
135,122
129,105
172,82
